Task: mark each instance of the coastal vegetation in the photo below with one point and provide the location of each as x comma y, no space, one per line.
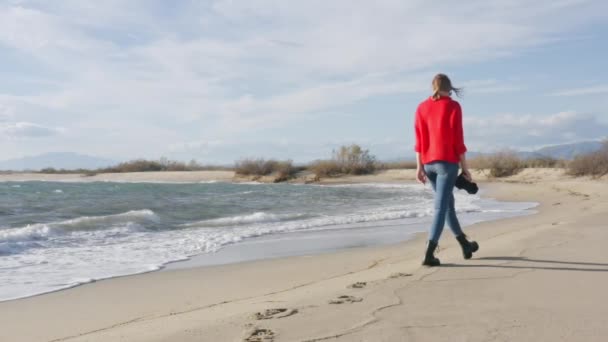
143,165
347,160
499,164
507,163
355,160
281,169
593,164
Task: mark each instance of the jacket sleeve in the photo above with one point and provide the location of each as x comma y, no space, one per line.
459,137
418,129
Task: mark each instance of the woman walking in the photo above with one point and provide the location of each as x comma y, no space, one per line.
440,150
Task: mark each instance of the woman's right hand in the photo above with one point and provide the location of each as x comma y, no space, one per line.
421,175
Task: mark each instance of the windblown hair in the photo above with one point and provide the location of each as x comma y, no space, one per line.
442,83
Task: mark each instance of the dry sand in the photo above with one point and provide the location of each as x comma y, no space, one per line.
536,278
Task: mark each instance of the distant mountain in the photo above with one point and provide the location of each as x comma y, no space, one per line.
57,160
563,151
569,151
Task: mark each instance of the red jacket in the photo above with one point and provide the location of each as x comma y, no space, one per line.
439,134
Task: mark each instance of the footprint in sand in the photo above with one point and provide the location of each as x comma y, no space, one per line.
345,299
260,335
275,313
399,275
358,285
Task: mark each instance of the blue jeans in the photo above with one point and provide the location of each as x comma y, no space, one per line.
442,176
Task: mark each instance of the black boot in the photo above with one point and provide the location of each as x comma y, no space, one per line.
429,257
468,248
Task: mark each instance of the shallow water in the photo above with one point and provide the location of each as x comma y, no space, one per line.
58,235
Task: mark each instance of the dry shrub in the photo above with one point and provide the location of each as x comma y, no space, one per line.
50,170
325,168
283,170
139,165
500,164
143,165
253,167
164,164
351,160
543,162
593,164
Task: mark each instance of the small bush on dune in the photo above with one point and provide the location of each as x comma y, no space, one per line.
543,162
283,170
164,164
48,170
507,163
355,160
253,167
500,164
351,160
325,168
193,165
143,165
139,165
593,164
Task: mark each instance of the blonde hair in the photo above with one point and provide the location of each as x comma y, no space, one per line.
442,83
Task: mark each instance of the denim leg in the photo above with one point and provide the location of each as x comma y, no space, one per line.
452,219
431,175
442,176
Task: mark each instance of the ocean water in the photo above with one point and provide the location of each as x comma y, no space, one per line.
59,235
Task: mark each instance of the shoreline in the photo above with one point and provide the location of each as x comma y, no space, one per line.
215,303
326,240
186,177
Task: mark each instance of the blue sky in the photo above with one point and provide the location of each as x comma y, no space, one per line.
222,80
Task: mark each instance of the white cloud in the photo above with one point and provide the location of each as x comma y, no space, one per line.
594,90
251,111
531,131
27,130
6,113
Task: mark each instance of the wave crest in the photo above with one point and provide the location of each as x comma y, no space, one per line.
40,231
258,217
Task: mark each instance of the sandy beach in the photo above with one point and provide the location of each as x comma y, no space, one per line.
536,278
